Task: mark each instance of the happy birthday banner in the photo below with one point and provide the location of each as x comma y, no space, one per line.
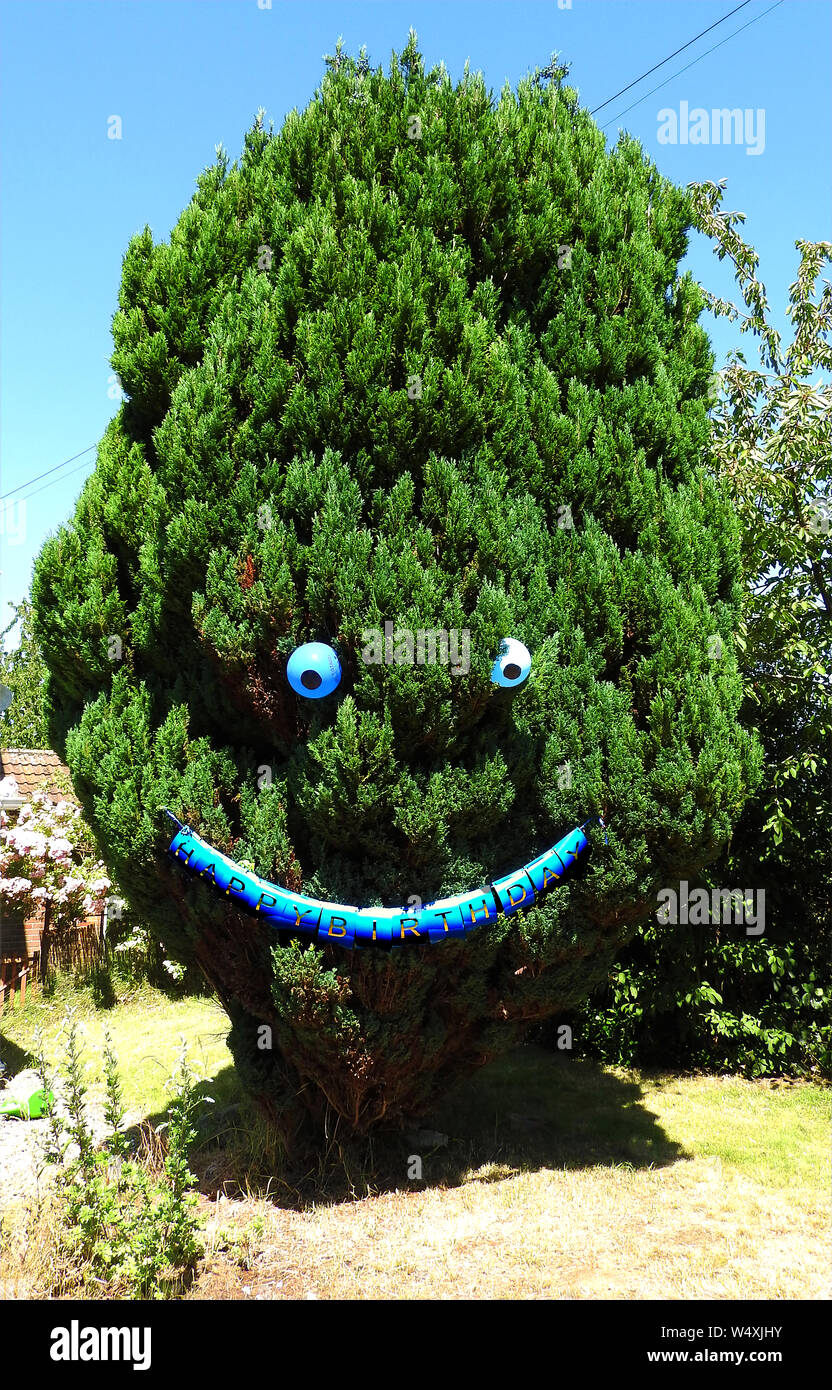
366,926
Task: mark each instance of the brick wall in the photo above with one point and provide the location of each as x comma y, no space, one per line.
32,928
22,937
13,938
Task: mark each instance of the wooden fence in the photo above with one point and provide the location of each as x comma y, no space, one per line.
17,974
76,949
73,950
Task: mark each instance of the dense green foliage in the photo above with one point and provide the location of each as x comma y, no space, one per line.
424,357
22,671
710,996
772,443
133,956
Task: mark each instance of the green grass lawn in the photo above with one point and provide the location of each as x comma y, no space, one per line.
527,1108
146,1031
559,1178
774,1131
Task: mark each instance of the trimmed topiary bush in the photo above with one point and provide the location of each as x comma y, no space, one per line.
425,358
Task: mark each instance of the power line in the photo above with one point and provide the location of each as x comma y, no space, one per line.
52,482
668,58
595,110
693,62
38,477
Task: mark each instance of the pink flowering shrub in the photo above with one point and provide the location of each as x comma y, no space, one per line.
49,858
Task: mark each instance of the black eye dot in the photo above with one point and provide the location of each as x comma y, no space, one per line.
310,680
511,671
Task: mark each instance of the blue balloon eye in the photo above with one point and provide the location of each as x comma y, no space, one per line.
313,670
513,664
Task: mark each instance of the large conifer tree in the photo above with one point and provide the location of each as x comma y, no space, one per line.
423,357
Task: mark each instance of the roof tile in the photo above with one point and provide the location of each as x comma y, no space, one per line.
32,769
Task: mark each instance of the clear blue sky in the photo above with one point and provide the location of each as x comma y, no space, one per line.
186,75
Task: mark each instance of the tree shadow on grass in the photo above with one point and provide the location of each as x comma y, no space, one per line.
535,1108
529,1110
13,1057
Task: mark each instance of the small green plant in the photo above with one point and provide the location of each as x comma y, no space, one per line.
53,1143
127,1223
240,1245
